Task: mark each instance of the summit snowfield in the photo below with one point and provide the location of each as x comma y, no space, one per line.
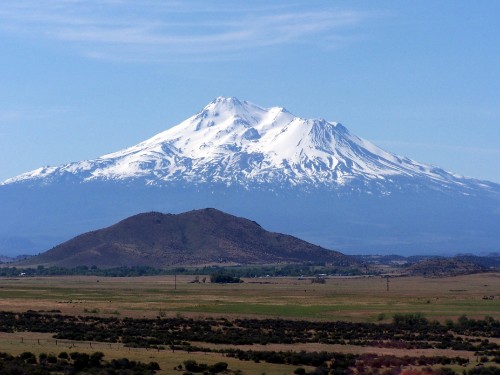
237,143
307,177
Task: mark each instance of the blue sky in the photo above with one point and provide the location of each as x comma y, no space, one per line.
79,79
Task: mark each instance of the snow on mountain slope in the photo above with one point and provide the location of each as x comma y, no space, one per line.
237,143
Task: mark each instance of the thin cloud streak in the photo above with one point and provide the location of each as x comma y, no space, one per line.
159,31
440,147
18,116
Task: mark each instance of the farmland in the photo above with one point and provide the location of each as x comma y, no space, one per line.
363,303
361,299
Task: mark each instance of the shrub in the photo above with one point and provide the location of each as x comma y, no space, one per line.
192,366
28,357
410,321
218,367
63,355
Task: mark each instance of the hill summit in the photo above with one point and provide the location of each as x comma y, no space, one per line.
199,237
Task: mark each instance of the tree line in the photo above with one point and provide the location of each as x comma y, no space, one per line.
28,363
293,270
408,331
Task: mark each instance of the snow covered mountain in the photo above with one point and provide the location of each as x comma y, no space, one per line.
309,178
237,143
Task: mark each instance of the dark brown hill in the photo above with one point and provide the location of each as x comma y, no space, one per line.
199,237
440,267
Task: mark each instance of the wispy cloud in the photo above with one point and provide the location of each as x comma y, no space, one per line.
445,148
167,30
18,116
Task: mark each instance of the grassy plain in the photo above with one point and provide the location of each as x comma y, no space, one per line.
364,299
17,343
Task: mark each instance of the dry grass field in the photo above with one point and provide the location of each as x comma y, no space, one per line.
363,299
37,343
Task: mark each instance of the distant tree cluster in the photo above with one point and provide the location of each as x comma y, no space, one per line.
318,280
222,278
85,271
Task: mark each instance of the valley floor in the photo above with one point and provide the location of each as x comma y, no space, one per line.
284,304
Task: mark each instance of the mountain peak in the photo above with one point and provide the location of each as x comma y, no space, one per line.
227,100
238,143
225,103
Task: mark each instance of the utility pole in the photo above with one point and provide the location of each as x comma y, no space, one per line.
175,282
387,283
